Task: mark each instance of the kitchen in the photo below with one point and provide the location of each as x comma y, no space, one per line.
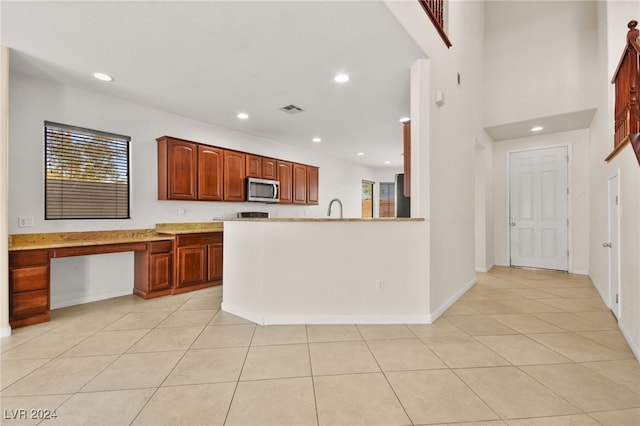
35,98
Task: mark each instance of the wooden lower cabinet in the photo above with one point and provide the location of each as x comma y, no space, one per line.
154,270
199,261
29,299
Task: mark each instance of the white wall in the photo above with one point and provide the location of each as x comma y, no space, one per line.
32,101
529,42
336,272
443,143
484,208
5,329
578,143
612,22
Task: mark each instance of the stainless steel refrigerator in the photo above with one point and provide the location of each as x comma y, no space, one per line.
403,204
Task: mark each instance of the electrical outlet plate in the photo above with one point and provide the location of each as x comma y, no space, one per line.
25,221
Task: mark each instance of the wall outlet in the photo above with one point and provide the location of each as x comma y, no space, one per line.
25,221
182,212
381,285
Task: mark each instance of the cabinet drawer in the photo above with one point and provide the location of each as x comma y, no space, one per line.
199,239
28,279
160,247
28,258
29,303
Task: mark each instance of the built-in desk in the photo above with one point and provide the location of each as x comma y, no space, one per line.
155,270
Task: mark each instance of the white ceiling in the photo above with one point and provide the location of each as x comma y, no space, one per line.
210,60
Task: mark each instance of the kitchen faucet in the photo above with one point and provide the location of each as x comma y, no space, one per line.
331,203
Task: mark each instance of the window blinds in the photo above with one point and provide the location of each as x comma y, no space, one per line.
86,173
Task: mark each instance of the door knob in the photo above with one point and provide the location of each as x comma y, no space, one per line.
513,224
606,245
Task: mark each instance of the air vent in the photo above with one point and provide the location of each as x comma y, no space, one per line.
291,109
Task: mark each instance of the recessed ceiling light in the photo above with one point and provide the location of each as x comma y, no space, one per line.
536,128
242,115
360,154
405,119
387,162
316,140
102,76
341,78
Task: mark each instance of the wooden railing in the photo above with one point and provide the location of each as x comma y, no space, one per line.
435,11
627,106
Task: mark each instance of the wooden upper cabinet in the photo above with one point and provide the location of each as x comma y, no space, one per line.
313,179
234,174
177,169
299,184
285,174
210,173
269,168
253,166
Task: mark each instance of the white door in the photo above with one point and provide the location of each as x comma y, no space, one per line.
538,208
613,246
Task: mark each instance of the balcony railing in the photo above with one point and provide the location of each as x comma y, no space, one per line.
627,105
435,11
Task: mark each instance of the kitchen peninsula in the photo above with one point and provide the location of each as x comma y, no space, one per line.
326,271
276,271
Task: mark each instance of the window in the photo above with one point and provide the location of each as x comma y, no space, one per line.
387,200
86,173
367,199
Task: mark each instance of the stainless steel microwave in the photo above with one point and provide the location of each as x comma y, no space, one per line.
263,190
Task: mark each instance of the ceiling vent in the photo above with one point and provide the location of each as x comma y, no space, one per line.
291,109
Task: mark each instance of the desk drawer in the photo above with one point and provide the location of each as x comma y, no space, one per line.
28,258
161,247
28,279
29,303
199,239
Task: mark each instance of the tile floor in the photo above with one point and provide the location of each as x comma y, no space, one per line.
520,348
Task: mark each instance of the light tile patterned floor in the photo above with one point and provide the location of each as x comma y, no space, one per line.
520,348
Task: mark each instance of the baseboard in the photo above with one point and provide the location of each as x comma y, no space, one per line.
485,269
346,319
449,302
627,336
5,332
79,300
242,313
324,319
579,272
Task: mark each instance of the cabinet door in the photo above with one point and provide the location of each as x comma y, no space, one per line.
313,179
160,271
299,184
285,178
215,262
210,173
234,174
253,166
269,169
192,265
182,169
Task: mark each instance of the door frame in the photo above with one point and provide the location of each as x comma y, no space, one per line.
569,147
613,290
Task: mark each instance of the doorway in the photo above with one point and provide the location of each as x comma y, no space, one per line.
539,208
367,199
613,243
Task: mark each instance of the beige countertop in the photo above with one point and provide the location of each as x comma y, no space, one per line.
321,219
162,231
88,238
189,228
